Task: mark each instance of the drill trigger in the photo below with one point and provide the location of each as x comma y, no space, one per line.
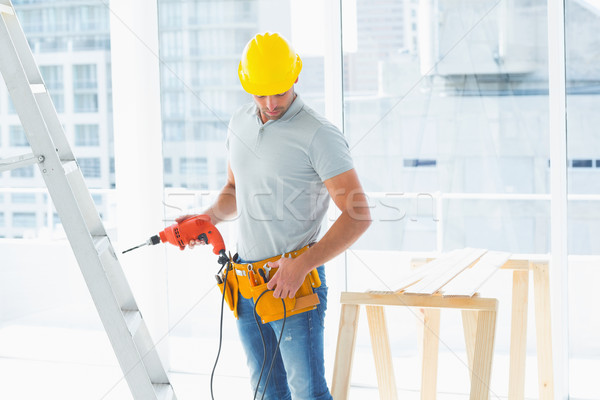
203,237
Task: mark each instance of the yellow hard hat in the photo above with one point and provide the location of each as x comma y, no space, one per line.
269,65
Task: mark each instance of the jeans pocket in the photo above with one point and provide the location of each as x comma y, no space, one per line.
322,307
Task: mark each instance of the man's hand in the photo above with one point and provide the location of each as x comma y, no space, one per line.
288,278
192,242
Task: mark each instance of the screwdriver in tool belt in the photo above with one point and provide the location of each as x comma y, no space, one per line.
251,276
262,274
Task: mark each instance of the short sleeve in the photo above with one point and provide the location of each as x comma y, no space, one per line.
329,152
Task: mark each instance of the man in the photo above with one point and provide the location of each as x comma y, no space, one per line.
285,161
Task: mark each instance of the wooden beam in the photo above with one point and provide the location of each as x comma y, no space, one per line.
518,335
382,353
517,264
543,330
344,352
431,342
523,261
469,319
401,299
482,358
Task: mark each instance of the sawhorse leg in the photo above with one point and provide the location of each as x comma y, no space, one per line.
469,319
344,354
382,353
518,335
430,350
543,330
483,354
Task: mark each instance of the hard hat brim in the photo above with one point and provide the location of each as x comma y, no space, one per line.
270,88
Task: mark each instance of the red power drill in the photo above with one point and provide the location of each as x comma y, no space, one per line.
197,227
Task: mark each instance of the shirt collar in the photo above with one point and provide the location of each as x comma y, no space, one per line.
294,109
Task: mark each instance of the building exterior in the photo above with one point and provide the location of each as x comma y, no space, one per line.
71,44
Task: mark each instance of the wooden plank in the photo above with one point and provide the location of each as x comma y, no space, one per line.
434,282
431,341
522,261
400,299
517,264
518,335
344,353
543,330
382,353
431,267
469,319
482,358
469,281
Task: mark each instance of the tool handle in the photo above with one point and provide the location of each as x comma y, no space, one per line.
262,274
251,278
197,227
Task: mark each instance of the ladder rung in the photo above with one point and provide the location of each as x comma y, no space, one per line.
70,166
6,9
102,244
164,391
22,160
37,88
133,318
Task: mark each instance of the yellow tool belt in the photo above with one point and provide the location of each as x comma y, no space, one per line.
245,279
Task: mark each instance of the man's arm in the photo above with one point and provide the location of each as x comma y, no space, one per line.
225,207
349,197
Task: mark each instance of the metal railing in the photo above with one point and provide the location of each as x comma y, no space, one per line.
177,201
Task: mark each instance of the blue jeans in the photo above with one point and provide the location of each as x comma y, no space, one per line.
298,371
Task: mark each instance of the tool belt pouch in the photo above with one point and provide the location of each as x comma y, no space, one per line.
231,291
270,308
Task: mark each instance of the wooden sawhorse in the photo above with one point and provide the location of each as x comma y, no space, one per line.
479,321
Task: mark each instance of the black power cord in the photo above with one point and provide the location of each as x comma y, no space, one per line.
212,374
265,347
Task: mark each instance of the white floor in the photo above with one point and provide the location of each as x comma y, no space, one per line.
63,364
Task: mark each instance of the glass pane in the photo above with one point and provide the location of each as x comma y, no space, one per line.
583,175
449,99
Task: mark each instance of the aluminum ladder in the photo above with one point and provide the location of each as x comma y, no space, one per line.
108,286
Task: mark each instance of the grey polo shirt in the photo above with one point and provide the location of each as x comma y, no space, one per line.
279,169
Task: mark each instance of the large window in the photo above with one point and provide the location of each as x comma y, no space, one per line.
24,219
17,137
54,80
23,172
449,99
90,167
583,174
85,88
87,135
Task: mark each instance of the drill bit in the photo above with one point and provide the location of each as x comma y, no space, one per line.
152,241
136,247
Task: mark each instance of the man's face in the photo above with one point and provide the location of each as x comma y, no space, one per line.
273,107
